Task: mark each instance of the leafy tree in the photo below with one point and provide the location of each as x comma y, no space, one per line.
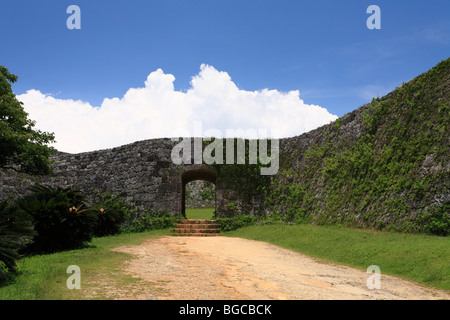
22,148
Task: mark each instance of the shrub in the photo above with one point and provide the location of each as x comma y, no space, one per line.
236,222
108,221
208,191
439,222
123,216
149,220
14,225
111,212
61,219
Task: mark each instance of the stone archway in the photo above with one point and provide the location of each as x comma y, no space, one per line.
198,173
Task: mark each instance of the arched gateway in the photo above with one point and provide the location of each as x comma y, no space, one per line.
192,174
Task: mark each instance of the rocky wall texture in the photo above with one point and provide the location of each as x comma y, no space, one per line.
385,165
200,194
142,172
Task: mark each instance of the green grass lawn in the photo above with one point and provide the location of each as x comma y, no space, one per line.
43,277
200,213
421,258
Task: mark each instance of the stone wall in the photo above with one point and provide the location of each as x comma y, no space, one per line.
142,172
200,194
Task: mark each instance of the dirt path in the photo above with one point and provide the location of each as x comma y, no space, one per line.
214,268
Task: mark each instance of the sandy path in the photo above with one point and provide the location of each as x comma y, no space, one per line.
214,268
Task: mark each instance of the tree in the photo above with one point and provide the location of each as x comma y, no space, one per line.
22,148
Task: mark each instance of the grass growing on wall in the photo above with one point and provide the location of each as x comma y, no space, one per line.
392,177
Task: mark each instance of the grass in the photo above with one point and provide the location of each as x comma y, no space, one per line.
200,213
420,258
43,277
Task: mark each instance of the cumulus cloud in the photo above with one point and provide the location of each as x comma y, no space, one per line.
157,110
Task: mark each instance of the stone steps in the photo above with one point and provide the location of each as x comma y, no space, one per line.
196,228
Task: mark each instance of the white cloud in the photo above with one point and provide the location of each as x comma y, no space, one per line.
158,110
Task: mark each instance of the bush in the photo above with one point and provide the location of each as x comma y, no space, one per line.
108,222
149,220
111,212
439,222
123,216
61,219
236,222
14,225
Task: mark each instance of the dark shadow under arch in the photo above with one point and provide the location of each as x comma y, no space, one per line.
192,175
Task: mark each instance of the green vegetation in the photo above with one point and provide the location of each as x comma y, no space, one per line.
208,191
14,226
391,177
53,219
199,213
382,167
22,148
133,218
420,258
243,175
43,277
61,219
236,222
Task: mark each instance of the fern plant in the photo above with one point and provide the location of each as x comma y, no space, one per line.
15,225
109,220
61,218
112,210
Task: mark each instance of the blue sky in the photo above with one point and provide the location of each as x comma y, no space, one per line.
321,48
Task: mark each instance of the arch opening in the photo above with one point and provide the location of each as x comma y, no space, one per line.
198,185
